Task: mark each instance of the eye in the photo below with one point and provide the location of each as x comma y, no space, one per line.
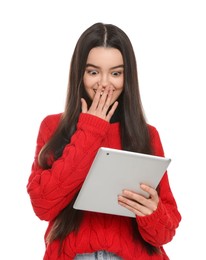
92,72
116,73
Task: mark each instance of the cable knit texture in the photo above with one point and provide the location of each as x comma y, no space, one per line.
51,190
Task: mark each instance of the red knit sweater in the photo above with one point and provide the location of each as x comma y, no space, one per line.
51,190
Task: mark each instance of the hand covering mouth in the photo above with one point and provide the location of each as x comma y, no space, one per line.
95,91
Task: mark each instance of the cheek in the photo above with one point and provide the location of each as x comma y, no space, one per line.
119,86
89,82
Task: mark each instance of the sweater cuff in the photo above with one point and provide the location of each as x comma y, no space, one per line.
152,220
92,123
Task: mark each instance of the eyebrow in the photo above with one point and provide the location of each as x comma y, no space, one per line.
97,67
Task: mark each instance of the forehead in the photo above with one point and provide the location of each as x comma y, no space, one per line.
104,56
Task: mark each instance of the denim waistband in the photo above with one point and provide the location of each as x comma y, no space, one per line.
99,255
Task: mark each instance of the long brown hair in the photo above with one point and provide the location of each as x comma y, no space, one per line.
134,130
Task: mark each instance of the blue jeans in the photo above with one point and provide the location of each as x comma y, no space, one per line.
99,255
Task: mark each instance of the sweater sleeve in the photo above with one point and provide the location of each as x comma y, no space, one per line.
52,189
160,227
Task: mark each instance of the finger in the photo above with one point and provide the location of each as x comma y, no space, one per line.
133,206
136,212
111,111
133,196
104,103
139,202
108,99
150,190
96,98
84,105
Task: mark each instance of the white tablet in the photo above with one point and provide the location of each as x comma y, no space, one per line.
114,170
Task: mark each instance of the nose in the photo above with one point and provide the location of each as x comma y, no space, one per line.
104,80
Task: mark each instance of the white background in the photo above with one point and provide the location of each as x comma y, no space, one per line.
37,39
